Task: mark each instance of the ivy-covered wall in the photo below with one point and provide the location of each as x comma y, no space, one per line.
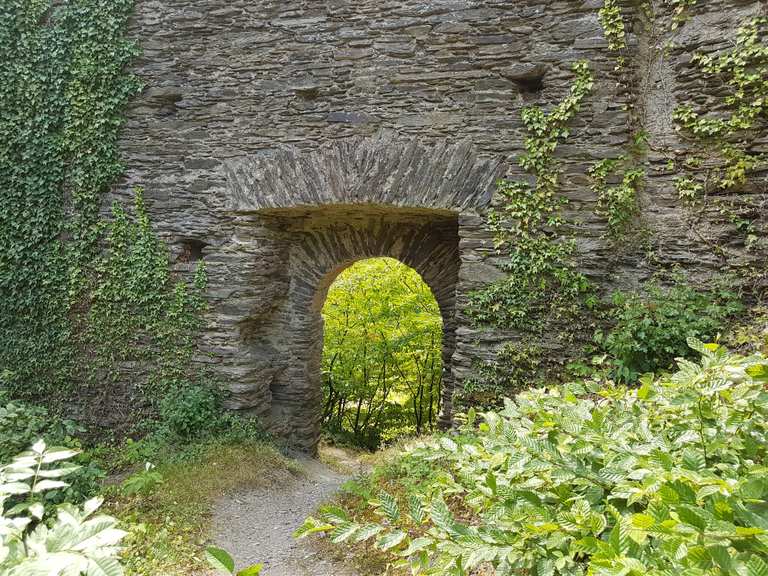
624,156
62,94
92,320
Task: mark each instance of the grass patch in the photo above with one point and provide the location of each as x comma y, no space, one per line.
168,519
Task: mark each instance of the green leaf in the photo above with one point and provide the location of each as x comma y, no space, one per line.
757,567
722,558
694,459
416,545
390,540
254,570
758,371
692,517
312,526
441,516
57,454
389,506
44,485
368,531
103,566
343,532
619,539
220,560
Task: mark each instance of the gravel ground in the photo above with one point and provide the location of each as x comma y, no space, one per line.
257,525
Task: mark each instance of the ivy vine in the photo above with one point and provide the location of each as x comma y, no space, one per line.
82,297
612,22
62,91
138,311
528,224
724,136
618,202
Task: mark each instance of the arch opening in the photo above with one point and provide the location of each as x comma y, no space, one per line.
382,364
313,245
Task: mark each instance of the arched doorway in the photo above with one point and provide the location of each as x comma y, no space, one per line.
324,242
298,219
382,354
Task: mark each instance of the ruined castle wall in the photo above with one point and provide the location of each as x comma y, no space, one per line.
407,110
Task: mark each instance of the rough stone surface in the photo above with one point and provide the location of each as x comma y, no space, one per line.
285,140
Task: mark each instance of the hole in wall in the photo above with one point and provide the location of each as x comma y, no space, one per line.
191,250
529,78
382,354
530,85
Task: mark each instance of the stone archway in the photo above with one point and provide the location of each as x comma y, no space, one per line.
317,213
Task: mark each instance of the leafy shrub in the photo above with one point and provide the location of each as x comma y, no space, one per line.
651,330
143,482
22,423
668,478
75,542
190,411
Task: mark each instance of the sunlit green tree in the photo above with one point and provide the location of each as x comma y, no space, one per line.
382,363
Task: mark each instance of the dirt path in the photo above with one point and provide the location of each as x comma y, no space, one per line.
257,525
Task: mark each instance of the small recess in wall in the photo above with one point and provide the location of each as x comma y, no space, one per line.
529,78
191,250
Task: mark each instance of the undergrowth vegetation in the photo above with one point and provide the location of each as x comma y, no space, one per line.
648,331
168,508
37,538
585,478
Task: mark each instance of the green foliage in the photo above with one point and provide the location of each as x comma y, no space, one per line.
21,424
617,203
613,25
190,411
143,482
515,366
62,90
382,363
75,542
668,478
651,330
726,132
223,563
528,225
138,311
680,10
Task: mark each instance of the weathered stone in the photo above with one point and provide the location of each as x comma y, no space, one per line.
292,138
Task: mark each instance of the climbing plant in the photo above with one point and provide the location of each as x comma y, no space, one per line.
84,298
62,91
724,139
138,311
528,225
680,10
617,202
613,25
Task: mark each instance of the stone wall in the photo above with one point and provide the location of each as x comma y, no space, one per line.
281,141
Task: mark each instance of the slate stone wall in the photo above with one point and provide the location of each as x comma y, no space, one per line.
282,140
